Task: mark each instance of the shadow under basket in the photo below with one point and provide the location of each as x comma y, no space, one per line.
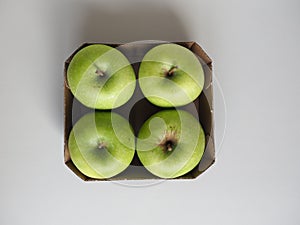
201,108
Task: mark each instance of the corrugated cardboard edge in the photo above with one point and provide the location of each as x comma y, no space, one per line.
208,157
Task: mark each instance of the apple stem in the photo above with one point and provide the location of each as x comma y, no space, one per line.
101,146
100,73
171,71
169,147
169,141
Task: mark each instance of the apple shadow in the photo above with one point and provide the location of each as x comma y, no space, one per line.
132,23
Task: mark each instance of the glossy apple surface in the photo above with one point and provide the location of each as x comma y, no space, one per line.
170,143
171,75
96,149
101,77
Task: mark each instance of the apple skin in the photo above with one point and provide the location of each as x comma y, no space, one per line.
182,87
96,149
112,89
186,152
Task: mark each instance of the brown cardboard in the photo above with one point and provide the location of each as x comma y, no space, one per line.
73,110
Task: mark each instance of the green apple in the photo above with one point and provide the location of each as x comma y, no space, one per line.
171,75
170,143
95,148
101,77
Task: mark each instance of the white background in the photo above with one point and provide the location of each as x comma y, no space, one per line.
255,48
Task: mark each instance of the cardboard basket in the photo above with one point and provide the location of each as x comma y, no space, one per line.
138,109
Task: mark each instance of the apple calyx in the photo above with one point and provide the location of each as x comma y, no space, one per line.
169,142
170,73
